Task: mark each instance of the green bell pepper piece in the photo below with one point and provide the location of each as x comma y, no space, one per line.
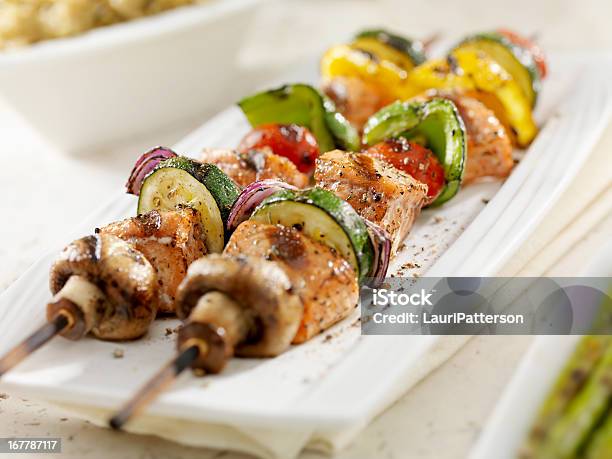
437,123
303,105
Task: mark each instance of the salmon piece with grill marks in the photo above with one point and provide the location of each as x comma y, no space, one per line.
356,99
324,281
378,191
170,240
251,166
489,149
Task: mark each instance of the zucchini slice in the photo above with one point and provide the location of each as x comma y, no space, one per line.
184,181
324,217
516,60
303,105
403,51
437,124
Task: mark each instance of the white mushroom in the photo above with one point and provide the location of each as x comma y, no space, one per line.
237,305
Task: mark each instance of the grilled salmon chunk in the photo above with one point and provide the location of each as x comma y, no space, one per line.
356,99
170,240
378,191
489,149
324,281
254,165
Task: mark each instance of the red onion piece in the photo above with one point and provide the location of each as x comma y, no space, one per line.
381,242
145,164
251,197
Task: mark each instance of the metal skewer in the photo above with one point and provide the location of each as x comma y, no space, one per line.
34,342
160,381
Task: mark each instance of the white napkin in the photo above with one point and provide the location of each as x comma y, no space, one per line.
565,224
266,443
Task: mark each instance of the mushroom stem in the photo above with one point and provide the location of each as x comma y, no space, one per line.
224,312
70,314
80,299
34,342
162,379
221,324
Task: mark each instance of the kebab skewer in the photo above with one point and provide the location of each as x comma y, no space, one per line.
244,303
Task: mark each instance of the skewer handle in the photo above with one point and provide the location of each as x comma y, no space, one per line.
154,386
33,342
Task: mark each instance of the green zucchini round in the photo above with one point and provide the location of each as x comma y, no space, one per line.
323,217
184,181
412,48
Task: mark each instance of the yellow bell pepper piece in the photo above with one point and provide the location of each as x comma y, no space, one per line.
349,61
478,75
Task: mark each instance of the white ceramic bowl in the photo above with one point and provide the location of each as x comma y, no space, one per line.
85,92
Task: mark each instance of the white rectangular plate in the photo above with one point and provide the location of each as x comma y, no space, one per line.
339,378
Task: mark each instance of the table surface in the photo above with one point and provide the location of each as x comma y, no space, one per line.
47,193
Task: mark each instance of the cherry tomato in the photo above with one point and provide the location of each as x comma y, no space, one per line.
529,45
415,160
294,142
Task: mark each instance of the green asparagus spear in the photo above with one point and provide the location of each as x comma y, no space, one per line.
600,446
583,413
603,320
572,378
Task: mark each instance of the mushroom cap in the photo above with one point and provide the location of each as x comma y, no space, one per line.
122,273
259,286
